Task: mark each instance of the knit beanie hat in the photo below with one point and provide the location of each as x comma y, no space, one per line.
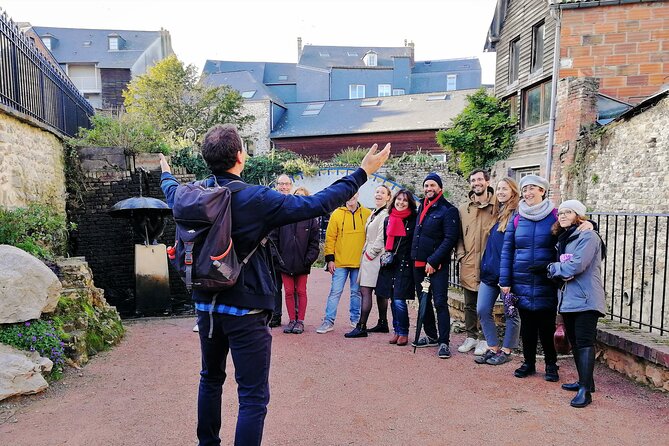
575,206
434,177
535,180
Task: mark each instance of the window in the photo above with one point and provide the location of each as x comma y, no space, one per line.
384,89
398,91
370,59
513,105
248,94
451,81
514,60
351,54
525,171
536,104
537,47
113,44
370,103
356,91
313,109
283,77
47,42
438,97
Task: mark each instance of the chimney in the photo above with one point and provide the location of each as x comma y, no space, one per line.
299,49
411,53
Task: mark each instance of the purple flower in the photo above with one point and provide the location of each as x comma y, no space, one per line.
27,324
20,335
34,338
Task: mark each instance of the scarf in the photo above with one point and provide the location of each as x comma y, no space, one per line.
564,238
537,212
427,204
396,226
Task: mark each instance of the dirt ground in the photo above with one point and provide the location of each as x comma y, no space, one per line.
328,390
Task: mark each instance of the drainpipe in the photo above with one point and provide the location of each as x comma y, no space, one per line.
555,13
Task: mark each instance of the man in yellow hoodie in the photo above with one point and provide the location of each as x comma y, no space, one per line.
344,240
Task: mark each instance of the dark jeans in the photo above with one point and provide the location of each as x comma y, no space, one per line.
278,296
541,323
438,294
249,341
581,328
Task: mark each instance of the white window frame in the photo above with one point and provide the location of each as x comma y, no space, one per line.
371,59
47,42
451,82
114,43
355,90
384,90
398,91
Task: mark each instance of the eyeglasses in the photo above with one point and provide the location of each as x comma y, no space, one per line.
284,184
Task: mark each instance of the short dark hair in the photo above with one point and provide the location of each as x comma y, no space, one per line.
485,173
220,147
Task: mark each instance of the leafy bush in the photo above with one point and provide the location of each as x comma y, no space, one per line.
42,336
418,158
38,229
263,169
300,165
131,132
350,156
192,161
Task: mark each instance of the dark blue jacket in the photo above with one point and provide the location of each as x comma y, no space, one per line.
492,256
531,243
256,210
435,238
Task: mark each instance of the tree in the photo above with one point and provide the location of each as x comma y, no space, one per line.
482,134
171,97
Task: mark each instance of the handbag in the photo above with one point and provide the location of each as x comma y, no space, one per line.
510,301
560,339
388,257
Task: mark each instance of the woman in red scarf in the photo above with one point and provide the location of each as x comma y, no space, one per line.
396,279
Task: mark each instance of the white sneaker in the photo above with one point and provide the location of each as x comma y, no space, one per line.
481,348
196,329
469,344
325,327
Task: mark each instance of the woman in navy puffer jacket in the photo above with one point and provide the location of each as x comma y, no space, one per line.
529,246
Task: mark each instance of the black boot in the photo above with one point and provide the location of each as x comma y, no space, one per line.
525,370
381,327
360,331
552,373
586,367
573,387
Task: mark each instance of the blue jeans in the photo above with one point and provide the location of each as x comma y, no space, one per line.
400,317
249,341
337,288
486,301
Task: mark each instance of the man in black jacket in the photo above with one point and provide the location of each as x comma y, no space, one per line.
235,320
437,232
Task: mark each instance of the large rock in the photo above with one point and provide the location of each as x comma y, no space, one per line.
20,372
28,287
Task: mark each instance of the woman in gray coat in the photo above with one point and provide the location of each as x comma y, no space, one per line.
581,298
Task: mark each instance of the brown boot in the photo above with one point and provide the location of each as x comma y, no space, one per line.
402,340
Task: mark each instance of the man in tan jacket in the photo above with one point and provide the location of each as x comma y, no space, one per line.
476,219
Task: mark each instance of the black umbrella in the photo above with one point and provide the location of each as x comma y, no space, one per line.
422,305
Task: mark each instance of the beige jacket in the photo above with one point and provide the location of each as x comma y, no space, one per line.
475,220
370,262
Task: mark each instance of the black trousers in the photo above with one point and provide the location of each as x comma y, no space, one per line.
541,325
581,328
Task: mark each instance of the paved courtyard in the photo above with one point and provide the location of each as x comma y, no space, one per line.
328,390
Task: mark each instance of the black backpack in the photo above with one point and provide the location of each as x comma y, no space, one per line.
203,253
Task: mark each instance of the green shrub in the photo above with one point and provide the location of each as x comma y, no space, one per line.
42,336
351,156
192,161
263,169
38,229
300,165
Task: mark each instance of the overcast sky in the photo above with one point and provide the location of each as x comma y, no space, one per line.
267,30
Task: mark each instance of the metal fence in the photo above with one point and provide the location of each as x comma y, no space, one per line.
30,84
634,271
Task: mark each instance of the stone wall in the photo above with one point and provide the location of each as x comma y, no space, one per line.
32,166
108,243
258,131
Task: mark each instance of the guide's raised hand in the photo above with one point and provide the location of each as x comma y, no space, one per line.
374,159
163,164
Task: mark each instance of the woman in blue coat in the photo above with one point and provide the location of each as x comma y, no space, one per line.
581,299
529,246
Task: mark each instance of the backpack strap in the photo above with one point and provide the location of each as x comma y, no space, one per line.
188,261
263,242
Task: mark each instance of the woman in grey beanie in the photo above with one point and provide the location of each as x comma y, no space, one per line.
581,298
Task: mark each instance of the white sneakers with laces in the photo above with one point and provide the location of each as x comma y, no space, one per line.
469,344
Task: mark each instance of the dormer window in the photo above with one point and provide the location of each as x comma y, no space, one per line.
370,59
49,41
115,42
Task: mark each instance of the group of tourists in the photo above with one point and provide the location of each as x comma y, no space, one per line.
511,241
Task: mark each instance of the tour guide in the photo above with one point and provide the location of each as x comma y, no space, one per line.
241,313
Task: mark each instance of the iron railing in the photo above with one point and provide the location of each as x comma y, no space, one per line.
31,85
634,271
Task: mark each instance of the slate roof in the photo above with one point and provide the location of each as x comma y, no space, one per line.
450,65
241,81
349,56
76,45
265,72
393,114
590,3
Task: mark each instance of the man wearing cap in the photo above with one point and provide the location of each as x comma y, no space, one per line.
437,232
476,218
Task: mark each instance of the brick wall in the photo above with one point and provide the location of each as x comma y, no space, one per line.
114,81
108,243
625,46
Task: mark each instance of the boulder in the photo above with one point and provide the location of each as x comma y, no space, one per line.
28,287
20,372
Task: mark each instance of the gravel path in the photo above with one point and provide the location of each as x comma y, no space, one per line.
328,390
